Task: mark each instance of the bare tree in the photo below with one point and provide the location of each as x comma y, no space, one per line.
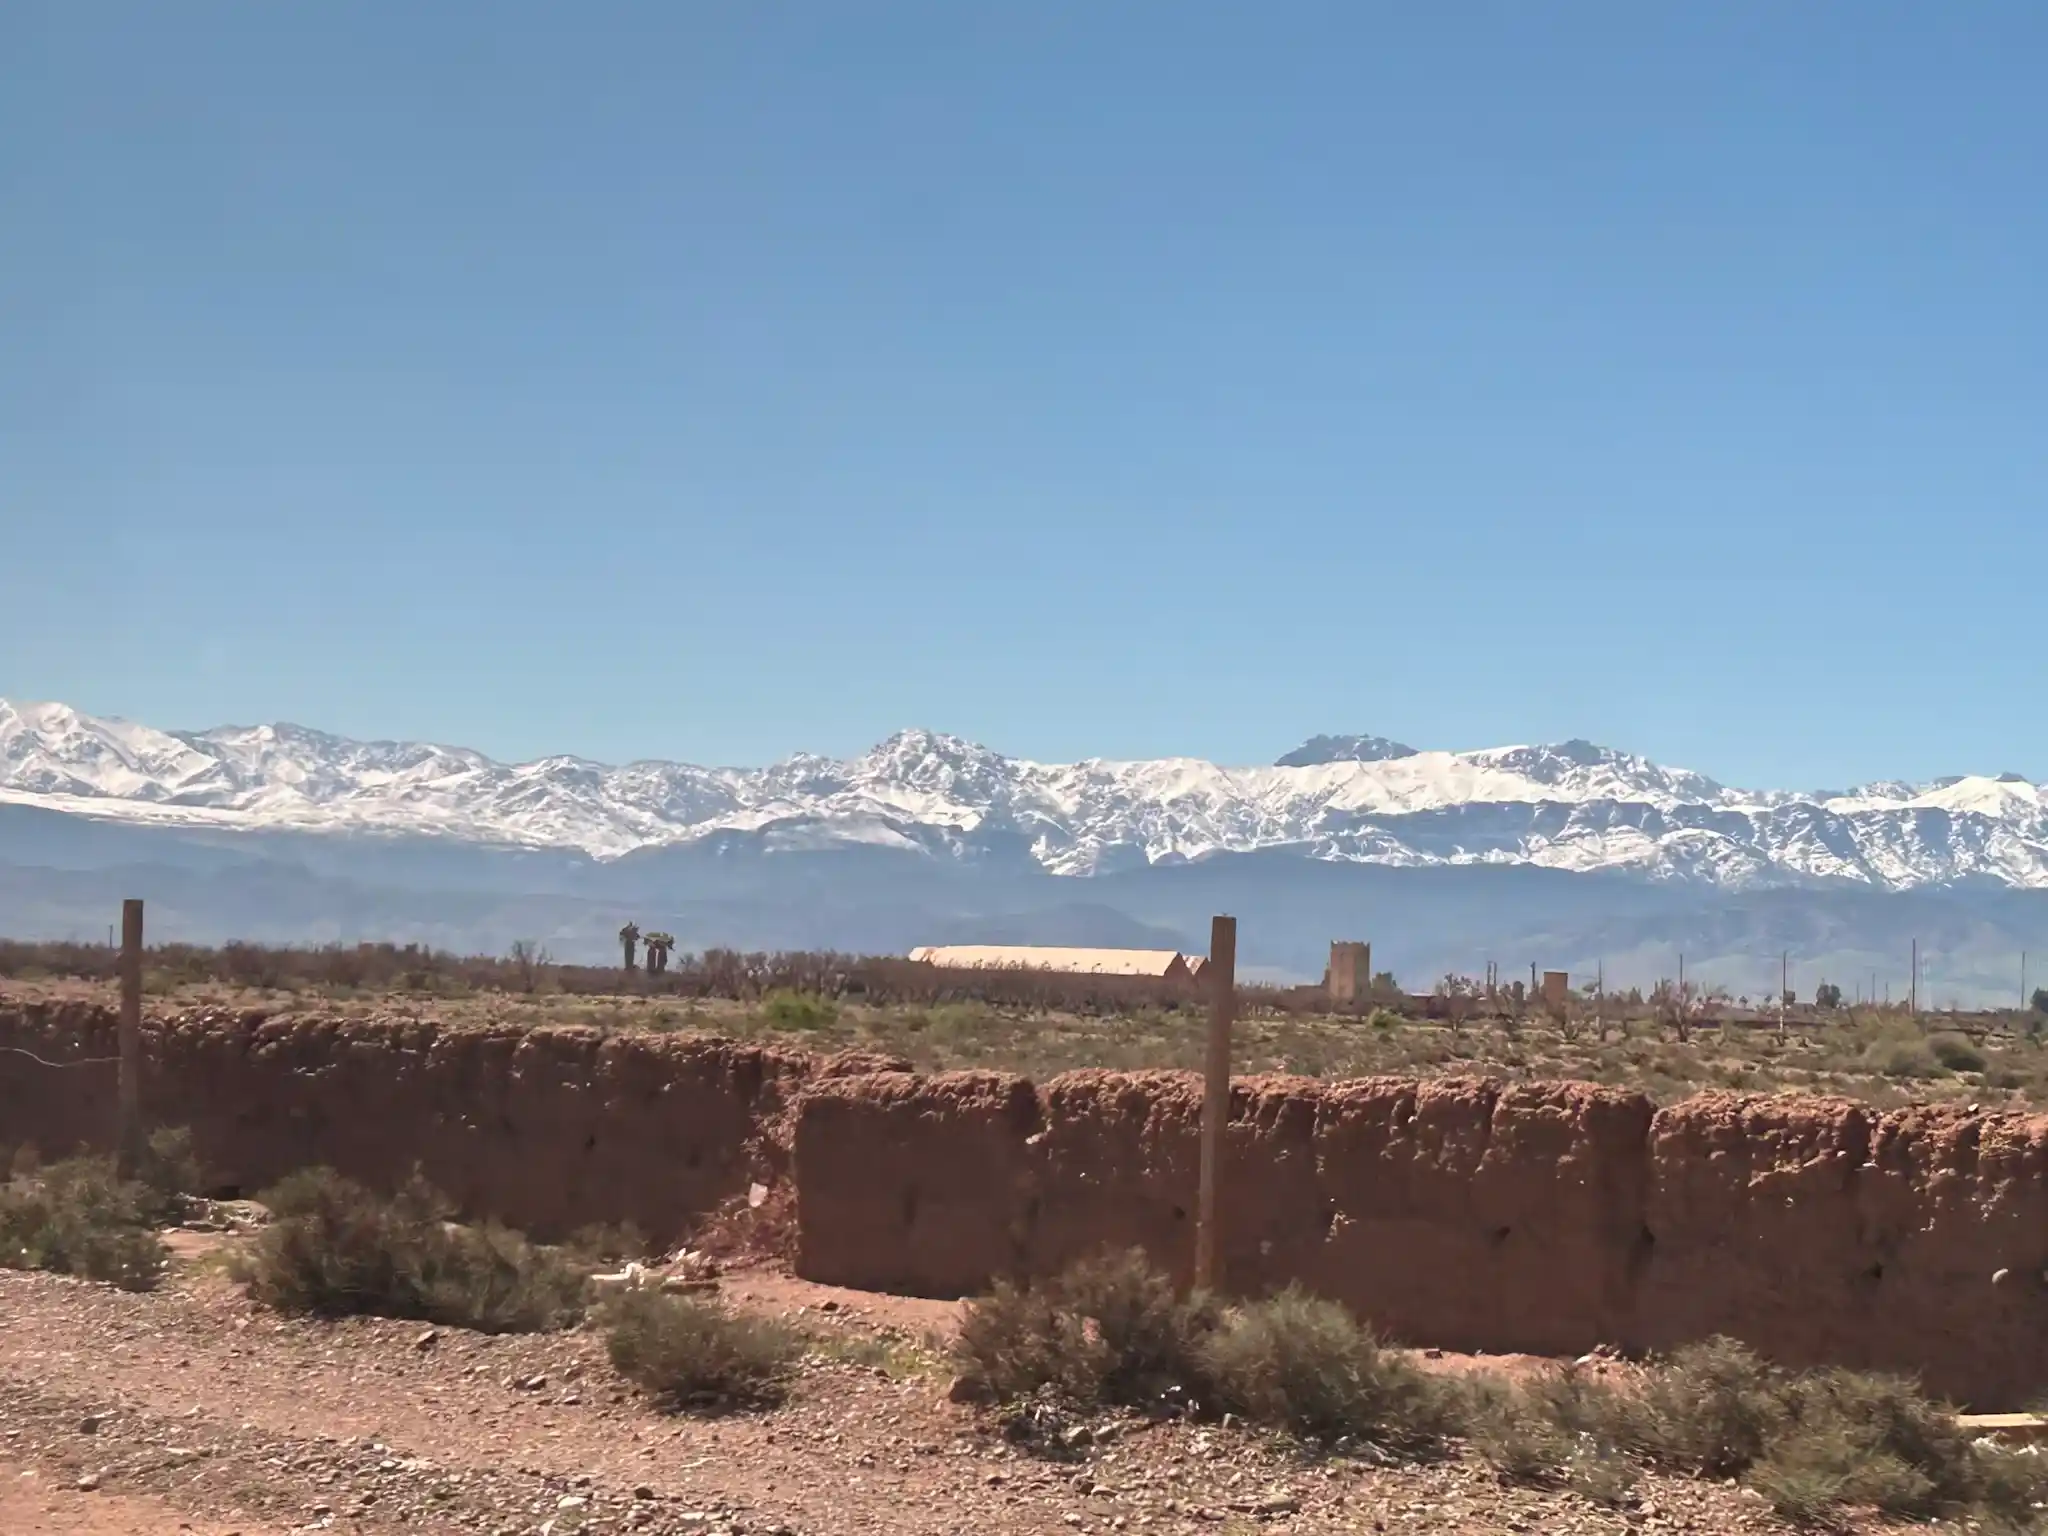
528,958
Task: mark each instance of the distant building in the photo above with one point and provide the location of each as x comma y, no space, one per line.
1163,964
1349,977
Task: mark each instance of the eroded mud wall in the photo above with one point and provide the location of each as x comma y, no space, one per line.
1465,1214
1474,1215
546,1129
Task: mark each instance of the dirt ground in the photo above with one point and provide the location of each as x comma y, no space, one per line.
190,1409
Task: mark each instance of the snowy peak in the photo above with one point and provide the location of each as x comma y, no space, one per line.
1343,749
1567,805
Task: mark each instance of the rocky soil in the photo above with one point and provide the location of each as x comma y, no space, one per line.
191,1409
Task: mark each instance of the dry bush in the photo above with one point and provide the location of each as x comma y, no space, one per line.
744,1230
1957,1054
602,1242
1112,1331
798,1011
1812,1443
1108,1330
170,1175
1710,1408
336,1249
78,1218
684,1351
1305,1365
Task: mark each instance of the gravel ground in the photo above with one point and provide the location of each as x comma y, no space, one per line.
192,1409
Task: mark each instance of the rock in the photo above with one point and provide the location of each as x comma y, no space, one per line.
533,1383
89,1482
90,1424
571,1502
427,1340
643,1492
965,1389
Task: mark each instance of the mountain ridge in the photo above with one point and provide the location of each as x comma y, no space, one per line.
1570,805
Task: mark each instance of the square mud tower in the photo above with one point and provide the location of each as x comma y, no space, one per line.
1556,987
1350,971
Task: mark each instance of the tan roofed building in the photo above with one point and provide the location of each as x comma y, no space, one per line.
1165,964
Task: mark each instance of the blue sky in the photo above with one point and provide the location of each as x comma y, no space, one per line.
714,381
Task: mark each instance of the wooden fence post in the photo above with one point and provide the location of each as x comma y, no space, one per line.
1222,978
128,1131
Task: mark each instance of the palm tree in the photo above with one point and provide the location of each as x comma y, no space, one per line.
658,946
629,941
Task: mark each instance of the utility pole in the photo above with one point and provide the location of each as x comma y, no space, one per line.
1915,994
2023,981
128,1127
1222,979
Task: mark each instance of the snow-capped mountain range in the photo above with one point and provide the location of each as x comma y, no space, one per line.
1571,806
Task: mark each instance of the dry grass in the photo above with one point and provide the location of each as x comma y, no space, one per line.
335,1249
824,1003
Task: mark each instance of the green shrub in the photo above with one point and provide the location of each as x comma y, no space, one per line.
78,1218
1554,1427
1113,1331
337,1249
1710,1408
1306,1365
1957,1053
682,1350
799,1010
1107,1330
170,1175
1901,1053
1811,1443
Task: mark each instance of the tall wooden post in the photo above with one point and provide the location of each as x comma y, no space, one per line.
128,1132
1222,978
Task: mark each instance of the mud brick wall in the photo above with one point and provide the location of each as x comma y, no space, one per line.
1467,1214
545,1129
1472,1215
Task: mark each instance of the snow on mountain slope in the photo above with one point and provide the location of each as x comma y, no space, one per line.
1572,805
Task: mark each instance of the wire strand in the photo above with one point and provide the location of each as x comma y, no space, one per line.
89,1061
